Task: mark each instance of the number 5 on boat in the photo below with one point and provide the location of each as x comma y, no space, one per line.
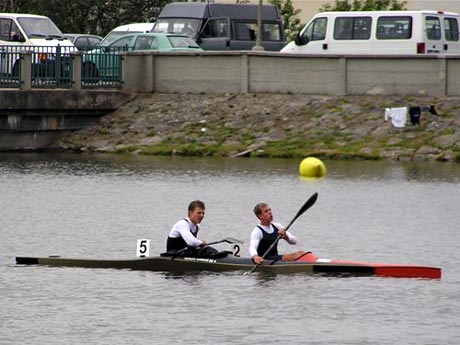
143,248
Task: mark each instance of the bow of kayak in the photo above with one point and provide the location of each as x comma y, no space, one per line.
378,269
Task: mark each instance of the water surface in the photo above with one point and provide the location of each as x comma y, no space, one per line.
98,206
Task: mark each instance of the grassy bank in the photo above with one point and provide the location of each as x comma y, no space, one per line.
290,126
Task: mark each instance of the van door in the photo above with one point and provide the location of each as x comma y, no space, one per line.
433,35
451,35
313,38
244,35
273,36
351,35
215,34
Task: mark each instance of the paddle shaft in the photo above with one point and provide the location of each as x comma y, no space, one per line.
228,240
309,203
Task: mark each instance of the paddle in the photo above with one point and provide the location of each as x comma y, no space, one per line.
229,240
309,203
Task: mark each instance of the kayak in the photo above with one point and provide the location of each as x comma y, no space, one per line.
309,264
382,269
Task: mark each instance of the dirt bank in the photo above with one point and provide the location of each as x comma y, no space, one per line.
344,127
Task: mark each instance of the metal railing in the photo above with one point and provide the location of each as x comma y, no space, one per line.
34,67
101,67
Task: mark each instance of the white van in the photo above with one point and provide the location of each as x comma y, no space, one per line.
29,32
134,28
379,33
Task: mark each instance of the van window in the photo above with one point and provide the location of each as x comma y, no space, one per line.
245,31
9,31
451,29
216,28
271,32
394,28
352,28
187,26
316,31
248,31
433,28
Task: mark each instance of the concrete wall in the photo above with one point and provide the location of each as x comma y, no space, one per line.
242,72
35,119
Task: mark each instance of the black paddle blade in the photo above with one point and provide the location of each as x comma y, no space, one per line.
309,203
232,240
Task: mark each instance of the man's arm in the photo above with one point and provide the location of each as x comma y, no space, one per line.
256,236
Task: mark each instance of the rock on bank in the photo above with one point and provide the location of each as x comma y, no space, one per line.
272,125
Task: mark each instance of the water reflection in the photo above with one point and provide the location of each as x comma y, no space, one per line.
125,165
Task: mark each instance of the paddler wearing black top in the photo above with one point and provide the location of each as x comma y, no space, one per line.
184,233
265,233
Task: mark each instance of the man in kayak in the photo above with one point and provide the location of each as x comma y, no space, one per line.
183,235
265,233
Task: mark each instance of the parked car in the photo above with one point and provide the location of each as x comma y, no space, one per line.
84,42
105,61
133,28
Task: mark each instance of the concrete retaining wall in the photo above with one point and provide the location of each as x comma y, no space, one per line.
242,72
31,120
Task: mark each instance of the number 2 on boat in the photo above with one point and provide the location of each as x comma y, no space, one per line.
143,248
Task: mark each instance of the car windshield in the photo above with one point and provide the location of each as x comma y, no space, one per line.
39,27
182,42
186,26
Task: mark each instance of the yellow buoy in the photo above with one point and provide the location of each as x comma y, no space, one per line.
312,167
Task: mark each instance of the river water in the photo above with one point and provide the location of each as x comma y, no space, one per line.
98,206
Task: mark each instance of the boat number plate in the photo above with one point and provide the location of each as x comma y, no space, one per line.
143,248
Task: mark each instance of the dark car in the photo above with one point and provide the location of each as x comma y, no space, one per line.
84,42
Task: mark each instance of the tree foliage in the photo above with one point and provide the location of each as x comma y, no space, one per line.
290,17
88,16
100,16
365,5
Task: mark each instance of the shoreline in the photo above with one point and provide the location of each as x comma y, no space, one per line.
275,126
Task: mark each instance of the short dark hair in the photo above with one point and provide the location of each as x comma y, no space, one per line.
195,204
258,208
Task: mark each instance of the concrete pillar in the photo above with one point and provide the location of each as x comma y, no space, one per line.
125,82
26,71
76,70
442,72
150,73
137,71
343,75
244,73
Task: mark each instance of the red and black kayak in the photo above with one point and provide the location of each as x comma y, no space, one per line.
309,264
378,269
